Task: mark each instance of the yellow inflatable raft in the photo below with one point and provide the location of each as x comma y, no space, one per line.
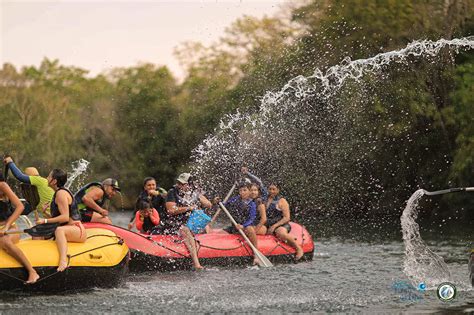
101,261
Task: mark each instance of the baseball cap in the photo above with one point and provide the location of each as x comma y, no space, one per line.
111,182
183,178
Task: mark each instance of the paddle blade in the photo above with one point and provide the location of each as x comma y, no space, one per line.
263,260
43,230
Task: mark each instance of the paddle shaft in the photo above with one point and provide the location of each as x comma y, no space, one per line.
263,261
5,172
5,167
446,191
15,232
225,200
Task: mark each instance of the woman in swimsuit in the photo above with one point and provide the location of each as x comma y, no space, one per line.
64,212
278,218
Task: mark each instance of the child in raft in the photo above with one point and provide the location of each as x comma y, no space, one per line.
146,217
243,210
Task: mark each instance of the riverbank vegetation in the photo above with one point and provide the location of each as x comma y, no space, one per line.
141,121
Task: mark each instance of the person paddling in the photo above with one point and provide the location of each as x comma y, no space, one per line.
7,221
178,209
64,212
32,177
91,199
243,210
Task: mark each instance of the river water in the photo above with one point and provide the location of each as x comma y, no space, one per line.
346,275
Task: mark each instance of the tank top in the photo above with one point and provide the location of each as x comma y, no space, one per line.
81,193
73,212
5,210
273,213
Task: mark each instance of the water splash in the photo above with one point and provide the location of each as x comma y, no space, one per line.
79,168
420,264
311,135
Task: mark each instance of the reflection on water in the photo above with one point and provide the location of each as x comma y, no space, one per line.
345,276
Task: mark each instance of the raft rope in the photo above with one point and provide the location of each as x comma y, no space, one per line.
198,242
216,248
165,247
119,242
112,236
279,243
200,245
197,249
13,277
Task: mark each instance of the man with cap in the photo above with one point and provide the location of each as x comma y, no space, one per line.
33,178
91,198
180,201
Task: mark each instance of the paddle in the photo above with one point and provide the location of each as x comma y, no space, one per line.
225,200
263,261
446,191
5,168
44,230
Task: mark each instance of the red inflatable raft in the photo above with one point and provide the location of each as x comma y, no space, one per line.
165,252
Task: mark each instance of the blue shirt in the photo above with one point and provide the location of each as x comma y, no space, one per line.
243,211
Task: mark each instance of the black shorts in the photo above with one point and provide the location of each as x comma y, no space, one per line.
232,230
27,210
287,226
86,215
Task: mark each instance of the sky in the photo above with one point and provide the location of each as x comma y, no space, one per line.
101,35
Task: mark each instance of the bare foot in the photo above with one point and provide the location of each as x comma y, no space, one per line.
32,277
62,265
198,268
256,261
299,253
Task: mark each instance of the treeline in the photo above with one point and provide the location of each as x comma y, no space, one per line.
140,121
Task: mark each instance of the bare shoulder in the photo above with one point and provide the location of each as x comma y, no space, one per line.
95,191
63,194
283,201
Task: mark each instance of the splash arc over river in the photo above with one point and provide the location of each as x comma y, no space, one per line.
306,135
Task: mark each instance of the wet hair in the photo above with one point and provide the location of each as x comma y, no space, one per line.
256,185
147,179
142,204
276,184
60,176
243,184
